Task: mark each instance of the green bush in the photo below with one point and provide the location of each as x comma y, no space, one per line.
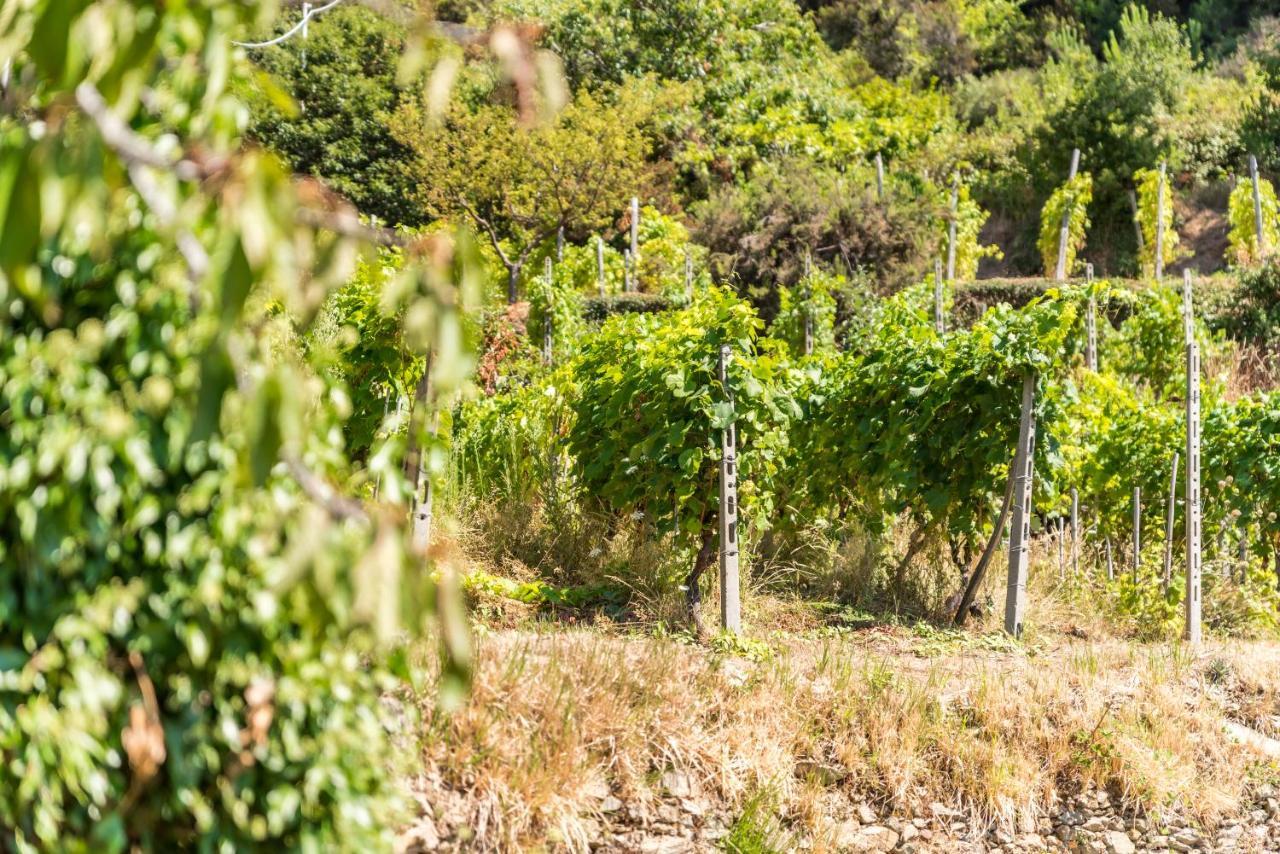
1071,200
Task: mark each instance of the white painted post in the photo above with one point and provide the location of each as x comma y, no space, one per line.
547,315
730,601
1015,604
600,263
1192,598
939,322
1060,272
1257,205
1160,225
879,178
1075,531
1170,510
951,230
1137,531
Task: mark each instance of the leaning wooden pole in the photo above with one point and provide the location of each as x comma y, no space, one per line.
730,594
1064,234
1015,605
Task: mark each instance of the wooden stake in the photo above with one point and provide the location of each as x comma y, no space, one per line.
1015,605
626,271
730,602
1257,205
951,230
1111,564
1171,510
560,244
879,178
688,275
1160,225
1062,563
1192,598
1060,272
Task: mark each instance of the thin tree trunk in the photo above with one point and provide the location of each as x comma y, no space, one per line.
693,592
975,580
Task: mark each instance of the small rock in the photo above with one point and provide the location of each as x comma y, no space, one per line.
846,834
1118,843
421,837
875,838
678,784
908,832
866,814
693,807
666,845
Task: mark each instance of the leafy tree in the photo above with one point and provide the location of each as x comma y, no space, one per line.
196,622
759,231
813,298
521,185
649,410
325,105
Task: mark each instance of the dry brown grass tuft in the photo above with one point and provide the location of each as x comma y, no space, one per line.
560,719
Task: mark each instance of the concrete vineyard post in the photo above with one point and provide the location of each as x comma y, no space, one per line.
560,244
1064,234
1160,224
1075,531
939,321
688,275
1091,325
1015,605
1137,531
1170,510
626,271
635,228
600,263
1111,564
548,313
1188,315
951,230
1192,597
730,601
879,178
1257,204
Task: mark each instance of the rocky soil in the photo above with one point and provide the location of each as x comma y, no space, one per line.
682,821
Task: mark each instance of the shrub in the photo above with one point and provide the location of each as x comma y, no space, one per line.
1148,183
1071,200
1243,236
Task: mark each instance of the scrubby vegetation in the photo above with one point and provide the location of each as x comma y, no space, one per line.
337,339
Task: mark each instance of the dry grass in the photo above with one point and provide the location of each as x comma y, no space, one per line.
558,719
